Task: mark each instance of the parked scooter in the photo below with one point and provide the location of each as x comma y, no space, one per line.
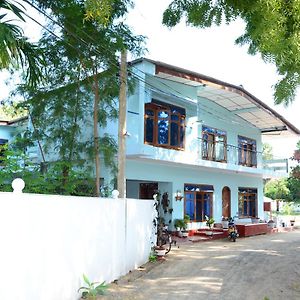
232,231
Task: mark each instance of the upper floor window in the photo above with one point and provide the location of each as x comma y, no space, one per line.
164,125
213,144
247,152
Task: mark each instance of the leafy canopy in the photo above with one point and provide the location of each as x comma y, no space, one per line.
16,52
277,190
85,56
272,29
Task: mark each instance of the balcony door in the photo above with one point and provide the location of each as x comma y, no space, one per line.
226,202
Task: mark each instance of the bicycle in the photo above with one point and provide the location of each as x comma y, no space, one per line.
164,237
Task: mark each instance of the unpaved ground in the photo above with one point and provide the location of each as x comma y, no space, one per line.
250,269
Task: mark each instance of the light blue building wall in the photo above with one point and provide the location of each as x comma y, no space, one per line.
170,168
172,178
6,132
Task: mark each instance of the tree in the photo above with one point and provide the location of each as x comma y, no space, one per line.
79,68
293,182
15,50
272,29
267,153
277,190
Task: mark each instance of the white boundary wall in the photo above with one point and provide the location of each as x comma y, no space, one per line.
49,241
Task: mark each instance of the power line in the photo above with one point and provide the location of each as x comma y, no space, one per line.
208,110
134,75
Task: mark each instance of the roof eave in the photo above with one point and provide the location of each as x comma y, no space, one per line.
225,85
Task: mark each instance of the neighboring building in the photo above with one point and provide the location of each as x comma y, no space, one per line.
199,140
9,129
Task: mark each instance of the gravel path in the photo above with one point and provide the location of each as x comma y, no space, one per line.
256,268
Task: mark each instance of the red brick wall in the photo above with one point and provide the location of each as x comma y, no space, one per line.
252,229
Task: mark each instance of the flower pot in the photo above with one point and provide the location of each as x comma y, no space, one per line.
225,224
160,251
185,234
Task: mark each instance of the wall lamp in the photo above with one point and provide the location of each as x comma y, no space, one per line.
178,195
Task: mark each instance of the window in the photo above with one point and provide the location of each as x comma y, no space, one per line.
247,202
164,125
3,142
198,201
247,152
213,144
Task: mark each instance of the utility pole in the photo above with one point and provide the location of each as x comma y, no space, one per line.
121,180
96,132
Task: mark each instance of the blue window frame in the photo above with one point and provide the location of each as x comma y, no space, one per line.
198,201
247,152
248,202
214,144
164,125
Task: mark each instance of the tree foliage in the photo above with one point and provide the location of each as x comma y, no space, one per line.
293,182
61,107
277,190
267,153
272,29
16,164
15,50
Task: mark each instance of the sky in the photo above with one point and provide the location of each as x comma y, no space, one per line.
210,52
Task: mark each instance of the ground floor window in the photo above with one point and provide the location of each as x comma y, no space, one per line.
148,189
198,201
247,202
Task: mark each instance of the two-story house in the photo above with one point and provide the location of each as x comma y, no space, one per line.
199,140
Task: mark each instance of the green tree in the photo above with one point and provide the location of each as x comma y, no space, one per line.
79,68
293,184
15,50
267,153
16,164
272,29
277,190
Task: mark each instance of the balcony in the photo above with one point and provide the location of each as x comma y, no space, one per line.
217,157
244,156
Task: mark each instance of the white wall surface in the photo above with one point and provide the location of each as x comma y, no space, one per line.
48,242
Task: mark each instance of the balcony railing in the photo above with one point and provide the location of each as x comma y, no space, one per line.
222,152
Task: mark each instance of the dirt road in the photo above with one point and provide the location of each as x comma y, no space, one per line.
255,268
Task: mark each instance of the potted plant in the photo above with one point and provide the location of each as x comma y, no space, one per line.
92,290
186,220
209,222
177,225
180,226
160,250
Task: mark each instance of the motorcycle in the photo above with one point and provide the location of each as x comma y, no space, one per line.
232,231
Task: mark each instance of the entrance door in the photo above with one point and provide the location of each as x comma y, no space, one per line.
226,202
148,189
